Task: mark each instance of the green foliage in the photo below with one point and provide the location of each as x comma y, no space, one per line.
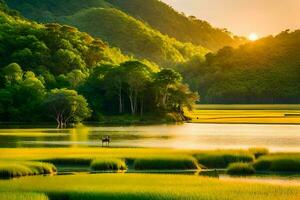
166,163
278,163
168,21
240,169
11,170
108,165
107,21
133,87
49,71
265,71
58,49
221,159
66,106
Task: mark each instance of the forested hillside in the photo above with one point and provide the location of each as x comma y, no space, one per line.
265,71
168,21
101,19
56,73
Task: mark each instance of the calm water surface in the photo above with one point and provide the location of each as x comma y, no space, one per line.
187,136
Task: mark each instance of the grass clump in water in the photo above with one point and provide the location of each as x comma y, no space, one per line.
108,165
221,159
278,163
258,152
12,170
166,163
240,169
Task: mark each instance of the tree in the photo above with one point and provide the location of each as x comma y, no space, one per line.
164,80
137,77
66,106
12,73
75,78
114,83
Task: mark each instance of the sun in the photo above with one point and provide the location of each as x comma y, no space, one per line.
253,37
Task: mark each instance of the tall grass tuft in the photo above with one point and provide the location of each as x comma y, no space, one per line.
166,163
240,169
12,170
108,165
221,159
258,152
278,163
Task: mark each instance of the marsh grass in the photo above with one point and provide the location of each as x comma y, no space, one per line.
166,163
278,163
150,187
112,164
221,159
247,114
11,170
22,196
240,169
258,152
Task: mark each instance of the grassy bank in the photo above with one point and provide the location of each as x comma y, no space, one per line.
240,169
150,159
278,163
145,186
221,159
108,165
246,114
22,196
18,169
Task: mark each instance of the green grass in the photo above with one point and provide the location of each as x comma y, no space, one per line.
108,165
258,152
166,163
150,187
278,163
221,159
22,196
247,114
18,169
240,169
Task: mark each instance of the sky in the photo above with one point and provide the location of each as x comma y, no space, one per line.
243,17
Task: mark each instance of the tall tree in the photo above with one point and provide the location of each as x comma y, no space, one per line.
137,77
66,106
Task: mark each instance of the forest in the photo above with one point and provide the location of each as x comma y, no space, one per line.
131,64
266,71
55,72
220,66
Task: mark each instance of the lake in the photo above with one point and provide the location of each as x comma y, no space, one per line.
187,136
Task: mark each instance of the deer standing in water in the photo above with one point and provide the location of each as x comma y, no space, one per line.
106,141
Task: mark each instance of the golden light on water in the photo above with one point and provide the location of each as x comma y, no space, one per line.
253,37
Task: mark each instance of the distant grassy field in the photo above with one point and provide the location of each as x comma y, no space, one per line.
251,114
146,186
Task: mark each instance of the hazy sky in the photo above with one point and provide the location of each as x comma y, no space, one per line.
243,17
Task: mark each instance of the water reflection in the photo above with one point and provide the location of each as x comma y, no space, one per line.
187,136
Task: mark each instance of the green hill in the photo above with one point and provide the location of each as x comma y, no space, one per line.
265,71
170,22
101,19
52,47
55,73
